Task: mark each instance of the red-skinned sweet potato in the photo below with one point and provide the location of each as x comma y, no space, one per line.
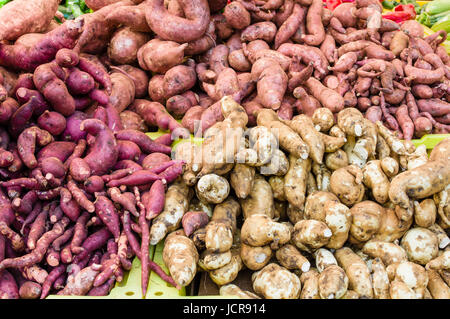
104,152
28,58
178,29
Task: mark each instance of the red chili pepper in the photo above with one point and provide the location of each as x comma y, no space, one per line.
398,16
401,13
332,4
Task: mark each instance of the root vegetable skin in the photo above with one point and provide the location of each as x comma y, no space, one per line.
42,51
182,268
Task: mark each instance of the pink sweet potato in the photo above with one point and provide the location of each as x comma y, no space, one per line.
156,89
178,29
160,56
24,17
67,58
79,196
37,229
132,120
435,107
154,159
126,200
265,31
130,16
30,290
96,70
72,132
139,77
21,116
124,45
178,79
94,241
123,91
236,15
79,233
271,86
52,276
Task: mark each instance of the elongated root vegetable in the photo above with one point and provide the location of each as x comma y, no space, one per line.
42,51
181,257
176,204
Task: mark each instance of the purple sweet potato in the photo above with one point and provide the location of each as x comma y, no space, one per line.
128,150
68,204
126,200
21,116
47,80
59,149
67,58
54,166
53,122
80,197
141,177
7,108
153,200
105,210
8,286
103,154
94,184
27,142
194,220
97,71
79,82
28,58
145,143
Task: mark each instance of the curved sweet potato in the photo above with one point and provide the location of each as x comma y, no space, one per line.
178,29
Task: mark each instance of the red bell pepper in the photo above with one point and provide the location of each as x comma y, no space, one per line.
332,4
401,13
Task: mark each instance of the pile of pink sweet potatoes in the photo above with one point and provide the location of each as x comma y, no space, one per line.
78,175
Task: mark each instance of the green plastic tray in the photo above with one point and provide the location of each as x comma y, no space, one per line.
128,288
